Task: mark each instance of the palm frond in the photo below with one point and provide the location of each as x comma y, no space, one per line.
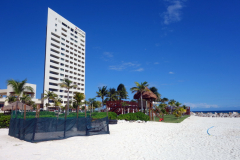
29,88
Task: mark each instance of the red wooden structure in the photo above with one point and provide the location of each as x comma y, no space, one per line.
118,108
188,111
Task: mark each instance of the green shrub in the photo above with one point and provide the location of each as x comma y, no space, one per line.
112,115
4,120
134,116
99,115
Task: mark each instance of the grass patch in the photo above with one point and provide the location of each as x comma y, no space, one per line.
172,119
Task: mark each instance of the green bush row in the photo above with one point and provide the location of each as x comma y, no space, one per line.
94,115
99,115
4,120
134,116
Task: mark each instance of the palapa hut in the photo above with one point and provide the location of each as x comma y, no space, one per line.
16,106
148,96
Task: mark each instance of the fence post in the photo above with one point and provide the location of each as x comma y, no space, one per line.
65,121
87,130
24,112
24,123
108,132
34,130
85,111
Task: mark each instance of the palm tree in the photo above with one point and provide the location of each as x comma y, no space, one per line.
155,91
97,104
91,101
11,99
122,92
102,93
184,106
49,95
57,101
25,98
172,103
68,85
112,94
78,97
177,104
163,100
162,108
140,88
19,87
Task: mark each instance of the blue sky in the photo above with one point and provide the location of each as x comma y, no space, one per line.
188,49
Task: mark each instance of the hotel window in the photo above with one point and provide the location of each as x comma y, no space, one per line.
55,18
55,24
64,24
61,69
61,74
62,64
76,41
55,35
61,90
62,59
55,30
62,49
76,37
55,40
63,39
63,44
62,54
64,30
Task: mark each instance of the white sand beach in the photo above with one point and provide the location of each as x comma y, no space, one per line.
187,140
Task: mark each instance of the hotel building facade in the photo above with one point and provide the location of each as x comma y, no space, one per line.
64,56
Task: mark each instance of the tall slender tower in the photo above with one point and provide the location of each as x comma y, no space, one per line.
64,56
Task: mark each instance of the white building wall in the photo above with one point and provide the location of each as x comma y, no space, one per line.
7,92
64,57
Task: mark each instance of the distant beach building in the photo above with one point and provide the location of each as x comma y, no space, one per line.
64,56
9,91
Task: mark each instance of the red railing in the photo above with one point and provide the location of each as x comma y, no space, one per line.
116,106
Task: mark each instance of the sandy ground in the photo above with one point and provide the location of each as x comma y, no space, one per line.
187,140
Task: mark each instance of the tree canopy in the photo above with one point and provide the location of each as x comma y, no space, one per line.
122,92
19,87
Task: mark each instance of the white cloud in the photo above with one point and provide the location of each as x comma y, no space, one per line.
173,13
171,72
201,105
124,65
156,62
108,54
139,70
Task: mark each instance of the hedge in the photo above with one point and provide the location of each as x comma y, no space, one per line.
134,116
4,120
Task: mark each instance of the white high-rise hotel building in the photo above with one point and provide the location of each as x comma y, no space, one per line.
64,57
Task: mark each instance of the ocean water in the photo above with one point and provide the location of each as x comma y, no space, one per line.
224,111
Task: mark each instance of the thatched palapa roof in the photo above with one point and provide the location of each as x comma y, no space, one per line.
146,95
18,105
